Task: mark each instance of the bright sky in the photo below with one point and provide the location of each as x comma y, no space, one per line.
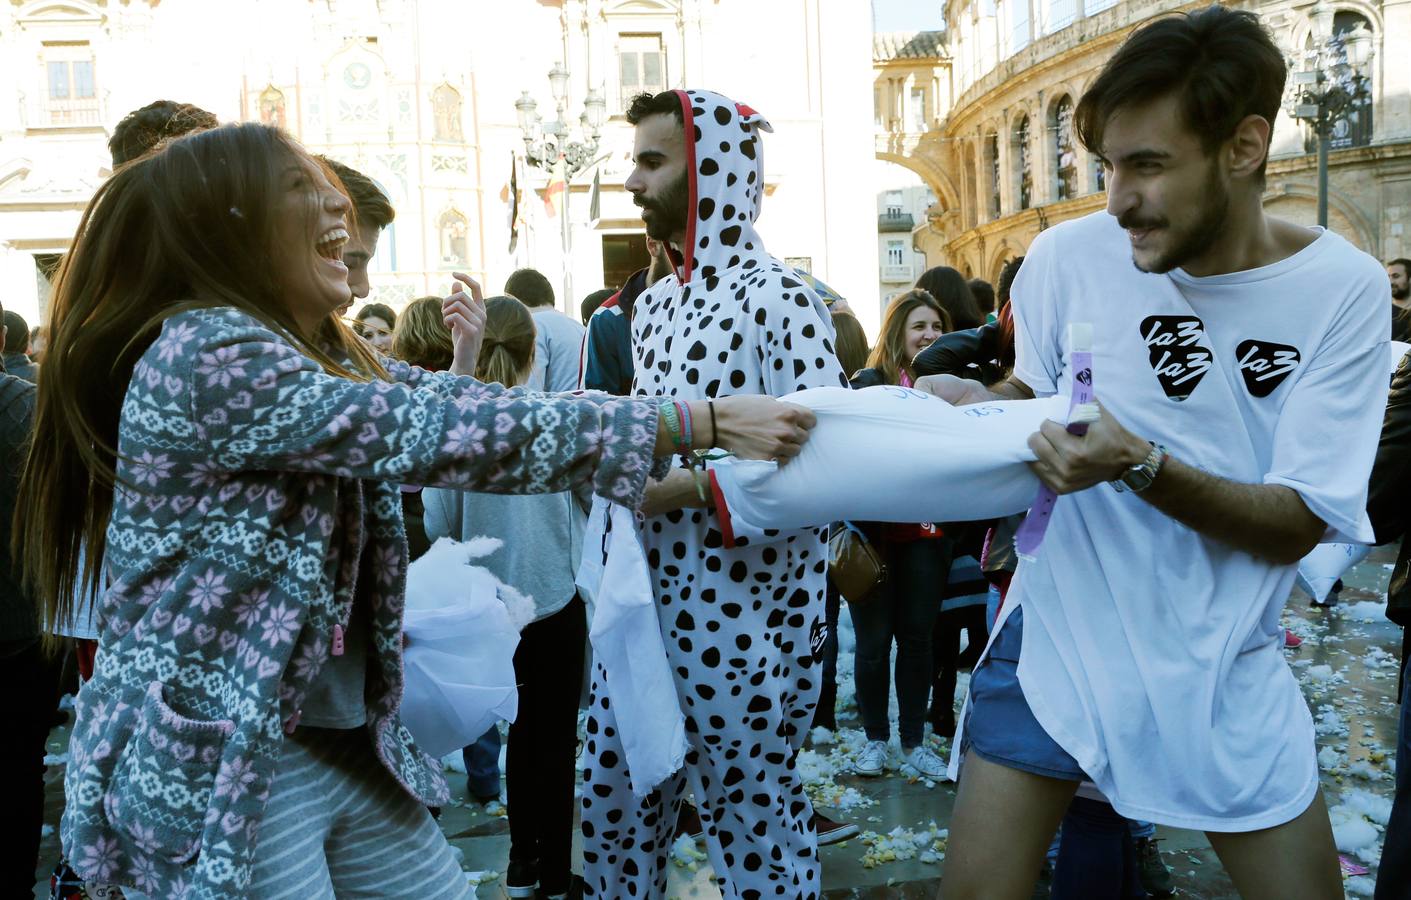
908,15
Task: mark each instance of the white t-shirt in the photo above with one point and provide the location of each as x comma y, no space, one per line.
1153,654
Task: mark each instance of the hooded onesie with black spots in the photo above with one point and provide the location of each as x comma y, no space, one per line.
743,621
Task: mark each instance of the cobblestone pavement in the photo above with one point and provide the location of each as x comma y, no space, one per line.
1347,666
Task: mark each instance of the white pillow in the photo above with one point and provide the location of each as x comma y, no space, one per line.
892,454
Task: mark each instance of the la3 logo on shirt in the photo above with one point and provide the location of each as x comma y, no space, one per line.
1180,362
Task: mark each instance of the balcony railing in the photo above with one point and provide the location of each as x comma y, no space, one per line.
47,113
896,274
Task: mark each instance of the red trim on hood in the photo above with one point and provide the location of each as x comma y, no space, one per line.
688,120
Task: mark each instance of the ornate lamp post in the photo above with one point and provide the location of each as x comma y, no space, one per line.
1331,86
546,143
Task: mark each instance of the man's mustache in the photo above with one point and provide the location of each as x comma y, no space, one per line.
1132,222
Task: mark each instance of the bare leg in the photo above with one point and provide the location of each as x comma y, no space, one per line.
1003,822
1293,861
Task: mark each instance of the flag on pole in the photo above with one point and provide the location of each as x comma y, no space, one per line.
594,209
558,184
514,202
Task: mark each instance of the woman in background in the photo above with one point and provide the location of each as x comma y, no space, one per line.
543,541
903,608
374,323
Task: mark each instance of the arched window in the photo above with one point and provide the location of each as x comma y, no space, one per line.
446,105
1022,163
992,175
1065,151
453,228
272,107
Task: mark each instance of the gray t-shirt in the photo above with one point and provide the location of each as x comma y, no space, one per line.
558,347
337,698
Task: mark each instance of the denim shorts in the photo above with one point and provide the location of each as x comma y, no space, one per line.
999,726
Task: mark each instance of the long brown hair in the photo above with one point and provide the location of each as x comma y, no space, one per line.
421,336
189,226
851,343
507,356
889,356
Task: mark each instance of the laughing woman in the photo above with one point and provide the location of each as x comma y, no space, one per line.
211,430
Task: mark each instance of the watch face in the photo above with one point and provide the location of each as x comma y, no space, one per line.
1137,479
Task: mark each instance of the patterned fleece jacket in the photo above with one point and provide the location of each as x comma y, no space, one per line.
251,483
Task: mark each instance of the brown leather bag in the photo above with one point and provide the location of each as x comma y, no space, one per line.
853,563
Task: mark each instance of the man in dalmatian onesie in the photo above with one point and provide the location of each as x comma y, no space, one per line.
742,619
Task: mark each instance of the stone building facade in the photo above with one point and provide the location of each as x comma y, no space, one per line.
1005,163
420,95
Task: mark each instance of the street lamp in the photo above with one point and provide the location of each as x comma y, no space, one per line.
1331,88
546,143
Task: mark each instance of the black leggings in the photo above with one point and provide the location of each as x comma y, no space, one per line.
947,660
543,743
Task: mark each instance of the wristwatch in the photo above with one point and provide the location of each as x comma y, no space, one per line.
1139,477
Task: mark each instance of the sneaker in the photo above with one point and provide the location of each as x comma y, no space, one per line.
831,832
688,822
1156,878
924,762
871,760
1291,640
522,878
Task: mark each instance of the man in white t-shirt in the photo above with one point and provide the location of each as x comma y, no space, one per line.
1240,364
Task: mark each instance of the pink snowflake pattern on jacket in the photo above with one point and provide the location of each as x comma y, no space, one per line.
251,483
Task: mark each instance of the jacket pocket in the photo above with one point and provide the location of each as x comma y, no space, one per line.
161,786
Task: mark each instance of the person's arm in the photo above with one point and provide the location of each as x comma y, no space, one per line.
257,403
1389,489
953,353
865,378
1267,520
680,489
960,391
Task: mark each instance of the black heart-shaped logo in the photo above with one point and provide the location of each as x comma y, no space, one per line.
1265,365
1177,358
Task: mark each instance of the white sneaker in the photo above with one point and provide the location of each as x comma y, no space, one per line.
924,762
872,759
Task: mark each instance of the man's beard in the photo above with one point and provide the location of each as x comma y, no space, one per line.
1401,293
1208,229
668,210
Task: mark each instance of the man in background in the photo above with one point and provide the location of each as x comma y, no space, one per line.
17,362
372,212
29,678
559,339
1399,274
607,350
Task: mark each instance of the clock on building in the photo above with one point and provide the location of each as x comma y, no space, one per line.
357,76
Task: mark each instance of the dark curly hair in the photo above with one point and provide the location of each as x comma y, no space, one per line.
645,105
142,129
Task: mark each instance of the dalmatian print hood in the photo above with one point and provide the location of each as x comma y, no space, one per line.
726,162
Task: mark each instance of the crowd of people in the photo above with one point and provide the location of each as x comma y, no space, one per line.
217,473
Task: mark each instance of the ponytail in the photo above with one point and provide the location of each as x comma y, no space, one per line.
507,355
